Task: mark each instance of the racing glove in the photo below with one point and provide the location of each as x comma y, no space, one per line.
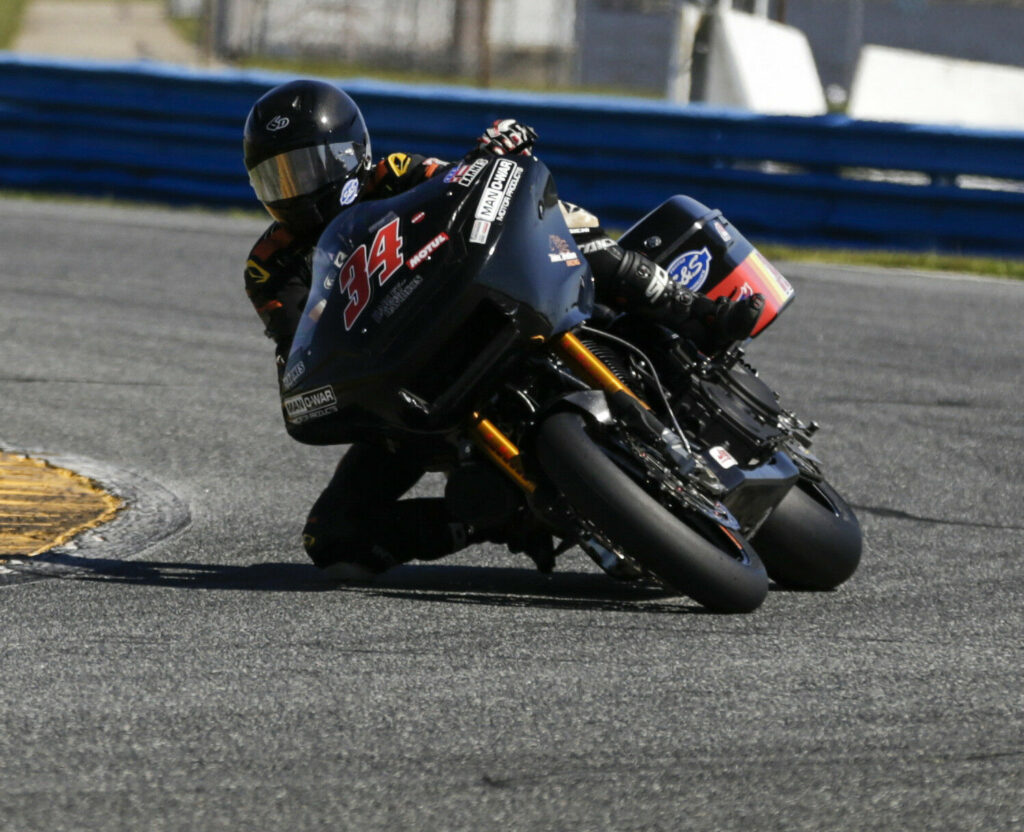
507,136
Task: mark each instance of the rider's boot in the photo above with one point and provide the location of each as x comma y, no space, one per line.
645,288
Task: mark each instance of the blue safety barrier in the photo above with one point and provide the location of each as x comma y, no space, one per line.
164,133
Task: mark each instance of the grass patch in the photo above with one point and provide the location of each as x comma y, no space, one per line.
11,12
311,67
928,261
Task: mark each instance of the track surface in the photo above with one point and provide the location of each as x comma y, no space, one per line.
212,681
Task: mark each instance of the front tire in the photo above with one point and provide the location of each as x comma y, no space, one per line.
700,558
812,540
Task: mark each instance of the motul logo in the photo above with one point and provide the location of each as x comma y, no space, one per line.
426,251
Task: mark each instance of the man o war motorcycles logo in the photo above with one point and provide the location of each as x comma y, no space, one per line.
311,405
691,269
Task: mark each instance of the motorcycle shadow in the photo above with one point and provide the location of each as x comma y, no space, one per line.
522,587
261,577
501,586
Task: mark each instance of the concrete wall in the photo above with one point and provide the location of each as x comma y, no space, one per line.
989,31
897,85
754,63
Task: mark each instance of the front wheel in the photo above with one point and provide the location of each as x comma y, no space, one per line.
700,558
812,540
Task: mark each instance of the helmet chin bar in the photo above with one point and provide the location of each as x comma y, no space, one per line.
307,216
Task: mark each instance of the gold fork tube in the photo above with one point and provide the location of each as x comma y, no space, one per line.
581,359
501,450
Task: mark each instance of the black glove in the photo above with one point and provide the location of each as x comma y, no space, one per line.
507,136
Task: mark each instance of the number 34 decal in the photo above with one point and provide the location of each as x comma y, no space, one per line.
379,262
360,269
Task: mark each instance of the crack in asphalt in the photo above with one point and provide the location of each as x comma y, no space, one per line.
121,383
898,514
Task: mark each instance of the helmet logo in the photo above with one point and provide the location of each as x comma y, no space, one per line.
277,123
349,192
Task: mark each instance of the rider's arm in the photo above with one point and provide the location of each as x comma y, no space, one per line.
623,279
277,280
398,172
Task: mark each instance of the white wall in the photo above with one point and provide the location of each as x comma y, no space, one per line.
763,66
898,85
533,23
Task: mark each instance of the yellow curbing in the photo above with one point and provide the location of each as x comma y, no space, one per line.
42,506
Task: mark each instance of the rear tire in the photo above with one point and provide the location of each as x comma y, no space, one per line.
812,540
713,565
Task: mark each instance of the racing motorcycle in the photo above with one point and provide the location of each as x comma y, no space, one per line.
460,316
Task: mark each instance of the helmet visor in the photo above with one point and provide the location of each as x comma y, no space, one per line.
305,170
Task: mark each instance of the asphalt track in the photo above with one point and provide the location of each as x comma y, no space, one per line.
184,668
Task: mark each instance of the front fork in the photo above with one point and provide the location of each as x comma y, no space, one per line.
502,451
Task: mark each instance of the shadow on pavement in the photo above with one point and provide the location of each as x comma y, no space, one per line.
429,582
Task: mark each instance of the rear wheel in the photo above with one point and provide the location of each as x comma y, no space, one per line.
812,540
686,549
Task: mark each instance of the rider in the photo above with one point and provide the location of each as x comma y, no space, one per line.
307,151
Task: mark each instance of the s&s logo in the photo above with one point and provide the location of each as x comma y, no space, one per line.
691,269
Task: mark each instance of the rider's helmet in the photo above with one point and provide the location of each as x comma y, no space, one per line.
307,151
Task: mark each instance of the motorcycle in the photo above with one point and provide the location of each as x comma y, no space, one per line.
460,316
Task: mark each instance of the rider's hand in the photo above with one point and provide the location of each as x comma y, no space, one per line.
507,136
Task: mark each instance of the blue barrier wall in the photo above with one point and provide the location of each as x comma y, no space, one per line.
167,134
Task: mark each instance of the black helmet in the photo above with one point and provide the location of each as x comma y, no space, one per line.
307,151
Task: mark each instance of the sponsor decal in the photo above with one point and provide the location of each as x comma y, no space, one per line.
722,457
311,405
318,310
350,192
293,375
596,245
513,183
494,201
417,217
426,251
395,298
561,252
722,232
743,292
480,232
658,283
691,268
469,174
278,123
465,175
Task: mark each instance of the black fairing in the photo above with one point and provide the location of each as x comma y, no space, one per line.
457,300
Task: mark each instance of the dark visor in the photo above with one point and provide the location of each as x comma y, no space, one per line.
303,171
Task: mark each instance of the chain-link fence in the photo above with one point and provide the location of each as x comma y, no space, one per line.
626,45
521,39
